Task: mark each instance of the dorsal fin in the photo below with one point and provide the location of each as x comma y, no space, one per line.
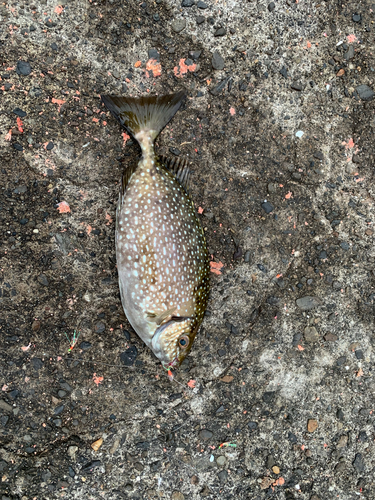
179,167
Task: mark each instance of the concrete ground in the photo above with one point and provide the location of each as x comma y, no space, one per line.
279,126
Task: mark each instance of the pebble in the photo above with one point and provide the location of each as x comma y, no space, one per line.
365,92
271,6
187,3
268,397
5,406
350,53
275,469
312,425
129,356
357,18
205,434
90,466
358,462
267,207
200,19
99,327
153,54
177,495
202,5
217,61
284,72
296,86
220,32
311,334
220,86
308,302
23,68
223,476
49,146
19,112
221,461
342,442
331,337
178,25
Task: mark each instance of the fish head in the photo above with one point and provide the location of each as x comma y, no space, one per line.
173,340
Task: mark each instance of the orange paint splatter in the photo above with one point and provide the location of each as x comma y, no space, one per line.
182,68
60,102
349,144
279,482
125,138
360,372
278,275
154,66
200,210
232,111
170,375
109,219
191,383
137,64
95,120
216,266
63,207
8,136
308,44
289,195
59,9
300,348
25,348
351,38
19,124
97,380
89,229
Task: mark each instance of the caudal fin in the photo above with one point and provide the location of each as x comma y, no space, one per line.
144,114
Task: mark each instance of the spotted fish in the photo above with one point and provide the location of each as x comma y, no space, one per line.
162,258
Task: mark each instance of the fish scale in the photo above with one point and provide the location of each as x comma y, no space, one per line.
162,258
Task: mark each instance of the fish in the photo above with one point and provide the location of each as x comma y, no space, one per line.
161,252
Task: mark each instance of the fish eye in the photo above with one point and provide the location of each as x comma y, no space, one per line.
184,341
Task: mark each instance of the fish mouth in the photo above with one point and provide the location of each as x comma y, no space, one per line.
171,364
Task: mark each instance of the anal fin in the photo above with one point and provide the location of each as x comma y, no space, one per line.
179,167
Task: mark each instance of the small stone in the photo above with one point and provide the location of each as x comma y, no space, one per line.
227,379
37,363
270,462
340,467
275,469
220,32
340,414
350,54
343,441
330,337
200,19
35,326
97,444
365,92
178,25
205,434
195,54
267,207
175,151
59,409
296,86
129,356
341,360
223,475
187,3
356,18
358,462
312,425
268,397
318,155
19,112
5,406
177,495
284,72
271,6
221,461
90,466
311,334
359,354
252,426
308,302
153,54
217,61
356,159
23,68
202,5
49,146
99,327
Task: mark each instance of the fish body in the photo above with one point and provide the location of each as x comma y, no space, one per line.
162,258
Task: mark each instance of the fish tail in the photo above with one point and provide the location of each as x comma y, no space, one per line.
146,116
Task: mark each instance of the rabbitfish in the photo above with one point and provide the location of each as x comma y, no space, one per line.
162,258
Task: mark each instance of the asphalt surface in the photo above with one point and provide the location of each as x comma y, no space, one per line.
279,126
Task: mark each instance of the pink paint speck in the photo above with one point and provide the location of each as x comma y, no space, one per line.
182,68
232,111
351,38
63,207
